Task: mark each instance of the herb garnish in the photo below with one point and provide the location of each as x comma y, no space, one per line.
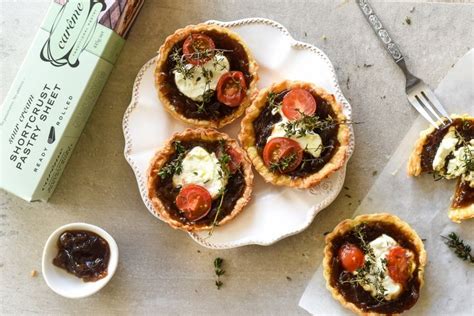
307,124
219,271
180,66
283,164
224,160
272,103
175,166
369,274
461,250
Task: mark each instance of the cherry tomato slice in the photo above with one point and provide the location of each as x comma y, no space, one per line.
231,88
235,159
198,49
195,201
351,256
398,265
280,148
298,101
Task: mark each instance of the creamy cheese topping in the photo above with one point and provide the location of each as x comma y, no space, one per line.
202,168
457,164
447,146
381,247
311,142
202,78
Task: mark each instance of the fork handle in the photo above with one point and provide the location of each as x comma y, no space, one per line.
381,32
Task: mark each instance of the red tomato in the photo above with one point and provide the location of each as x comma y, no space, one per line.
351,256
235,159
195,201
231,88
398,264
198,49
280,148
298,101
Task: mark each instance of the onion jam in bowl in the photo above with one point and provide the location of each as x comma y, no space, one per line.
79,259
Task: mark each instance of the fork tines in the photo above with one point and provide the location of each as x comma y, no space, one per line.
427,104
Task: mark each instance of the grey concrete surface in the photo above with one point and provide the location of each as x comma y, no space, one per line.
162,271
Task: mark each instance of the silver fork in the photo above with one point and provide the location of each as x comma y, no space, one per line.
418,92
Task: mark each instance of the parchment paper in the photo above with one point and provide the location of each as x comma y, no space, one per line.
423,203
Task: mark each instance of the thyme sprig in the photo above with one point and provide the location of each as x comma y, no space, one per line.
369,274
272,101
218,271
205,54
215,222
283,164
308,124
224,172
175,166
461,249
468,157
180,65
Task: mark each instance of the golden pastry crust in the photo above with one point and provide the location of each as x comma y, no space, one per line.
247,137
414,162
414,168
161,158
348,225
160,76
458,214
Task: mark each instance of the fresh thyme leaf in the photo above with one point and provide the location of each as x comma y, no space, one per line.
215,222
307,124
180,66
461,249
369,274
175,166
283,164
218,271
467,157
272,101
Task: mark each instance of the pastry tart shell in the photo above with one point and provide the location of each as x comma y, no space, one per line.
160,76
414,169
414,163
162,157
346,227
248,141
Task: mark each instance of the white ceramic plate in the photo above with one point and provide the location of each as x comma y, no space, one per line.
274,212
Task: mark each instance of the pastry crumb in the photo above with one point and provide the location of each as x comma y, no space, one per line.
34,273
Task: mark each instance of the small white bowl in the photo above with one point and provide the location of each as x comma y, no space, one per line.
65,283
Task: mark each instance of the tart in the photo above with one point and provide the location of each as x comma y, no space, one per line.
205,75
200,179
374,264
295,134
448,153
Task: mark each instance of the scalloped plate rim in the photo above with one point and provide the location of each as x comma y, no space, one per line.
314,210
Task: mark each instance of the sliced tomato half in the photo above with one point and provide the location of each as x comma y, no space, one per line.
282,154
194,201
398,264
235,159
351,257
298,101
231,88
198,49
